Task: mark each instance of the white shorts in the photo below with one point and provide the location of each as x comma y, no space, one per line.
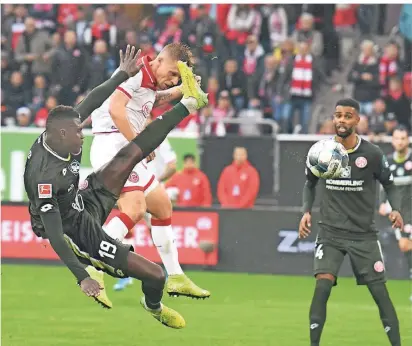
105,146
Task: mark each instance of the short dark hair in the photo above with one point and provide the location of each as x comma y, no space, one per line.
348,102
401,128
180,51
189,156
60,113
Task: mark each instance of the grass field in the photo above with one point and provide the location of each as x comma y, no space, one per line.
41,306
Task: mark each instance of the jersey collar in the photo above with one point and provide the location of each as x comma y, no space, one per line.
149,80
350,151
398,159
51,151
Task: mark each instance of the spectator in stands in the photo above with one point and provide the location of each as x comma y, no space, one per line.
327,128
242,20
233,79
378,118
223,110
34,49
268,87
204,37
365,76
102,65
45,15
116,15
277,26
172,33
67,16
398,104
7,68
363,126
190,186
253,65
16,94
238,185
100,29
307,33
42,114
389,66
80,25
69,70
299,84
146,46
23,117
39,93
212,90
13,27
405,28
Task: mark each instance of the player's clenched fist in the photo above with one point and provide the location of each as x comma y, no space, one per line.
304,225
90,287
128,61
396,219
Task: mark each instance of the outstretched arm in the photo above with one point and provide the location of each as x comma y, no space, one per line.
128,68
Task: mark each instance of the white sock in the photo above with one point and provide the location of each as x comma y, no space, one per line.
116,229
163,239
190,103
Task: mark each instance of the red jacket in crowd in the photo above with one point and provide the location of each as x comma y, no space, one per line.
194,188
238,186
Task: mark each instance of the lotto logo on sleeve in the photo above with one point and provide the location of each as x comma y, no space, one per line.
44,190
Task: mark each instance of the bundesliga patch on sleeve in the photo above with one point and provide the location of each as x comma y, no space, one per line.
44,190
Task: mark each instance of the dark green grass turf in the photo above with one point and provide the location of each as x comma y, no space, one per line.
42,306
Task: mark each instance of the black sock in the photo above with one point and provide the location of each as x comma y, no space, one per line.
317,313
153,295
155,133
386,311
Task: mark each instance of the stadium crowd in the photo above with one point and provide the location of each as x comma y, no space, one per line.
256,61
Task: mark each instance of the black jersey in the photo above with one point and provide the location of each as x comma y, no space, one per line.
348,203
51,181
401,169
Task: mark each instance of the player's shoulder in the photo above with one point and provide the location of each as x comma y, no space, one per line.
370,148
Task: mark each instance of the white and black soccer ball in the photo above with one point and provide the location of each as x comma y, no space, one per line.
327,159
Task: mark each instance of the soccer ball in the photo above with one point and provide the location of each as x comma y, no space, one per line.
327,159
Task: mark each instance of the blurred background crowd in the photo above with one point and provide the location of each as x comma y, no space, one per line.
282,63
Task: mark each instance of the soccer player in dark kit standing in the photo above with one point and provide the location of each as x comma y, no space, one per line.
71,216
346,225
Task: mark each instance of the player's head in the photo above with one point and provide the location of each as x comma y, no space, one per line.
346,117
400,139
64,126
239,155
189,161
164,67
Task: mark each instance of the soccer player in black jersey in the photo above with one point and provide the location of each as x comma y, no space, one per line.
71,216
346,225
400,164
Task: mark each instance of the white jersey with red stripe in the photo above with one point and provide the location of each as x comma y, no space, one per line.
164,155
141,90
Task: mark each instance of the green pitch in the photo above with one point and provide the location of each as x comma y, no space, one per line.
41,306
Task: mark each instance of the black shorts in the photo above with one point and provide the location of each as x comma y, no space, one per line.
88,240
365,256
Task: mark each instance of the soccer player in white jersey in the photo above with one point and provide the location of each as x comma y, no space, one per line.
118,121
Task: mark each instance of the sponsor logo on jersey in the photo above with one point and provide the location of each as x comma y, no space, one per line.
147,108
361,162
74,167
133,177
344,185
44,190
379,267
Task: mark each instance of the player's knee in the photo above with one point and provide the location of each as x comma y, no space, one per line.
159,277
404,245
325,276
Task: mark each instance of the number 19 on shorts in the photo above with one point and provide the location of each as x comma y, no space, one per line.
107,250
